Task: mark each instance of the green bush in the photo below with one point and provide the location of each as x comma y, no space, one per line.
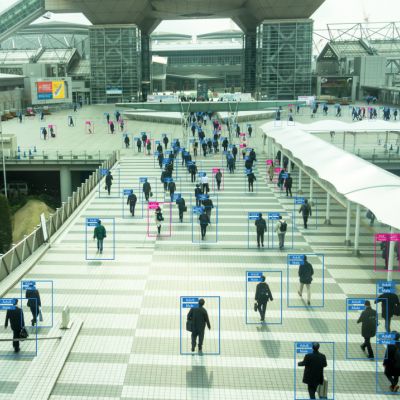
5,225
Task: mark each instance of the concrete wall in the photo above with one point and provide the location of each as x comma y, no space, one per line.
11,100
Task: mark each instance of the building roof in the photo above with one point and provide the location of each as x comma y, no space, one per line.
10,76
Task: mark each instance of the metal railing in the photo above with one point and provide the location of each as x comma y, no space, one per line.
27,246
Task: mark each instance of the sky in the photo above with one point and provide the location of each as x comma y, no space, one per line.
332,11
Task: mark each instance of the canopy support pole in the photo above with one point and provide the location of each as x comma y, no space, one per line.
347,241
289,169
281,160
391,256
300,190
328,210
344,140
354,143
356,250
311,189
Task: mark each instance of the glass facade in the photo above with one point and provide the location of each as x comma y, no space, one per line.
115,54
284,54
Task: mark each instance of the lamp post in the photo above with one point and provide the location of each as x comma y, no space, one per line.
4,161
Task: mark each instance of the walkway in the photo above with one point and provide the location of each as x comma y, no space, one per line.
129,346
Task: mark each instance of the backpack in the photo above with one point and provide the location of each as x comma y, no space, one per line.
283,227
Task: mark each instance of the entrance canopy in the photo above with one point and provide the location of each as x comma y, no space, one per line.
356,179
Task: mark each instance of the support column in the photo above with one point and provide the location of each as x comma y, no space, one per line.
311,189
289,167
347,241
356,250
344,140
391,256
65,183
146,64
354,143
281,160
250,54
300,190
328,210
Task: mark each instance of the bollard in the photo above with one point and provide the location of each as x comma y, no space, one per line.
65,319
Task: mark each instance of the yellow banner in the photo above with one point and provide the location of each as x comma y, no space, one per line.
58,89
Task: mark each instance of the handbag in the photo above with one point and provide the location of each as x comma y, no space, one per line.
323,390
189,325
151,194
255,306
40,315
184,209
23,334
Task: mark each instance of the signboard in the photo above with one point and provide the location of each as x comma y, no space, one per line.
50,90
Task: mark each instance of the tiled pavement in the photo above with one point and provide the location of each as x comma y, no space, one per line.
129,346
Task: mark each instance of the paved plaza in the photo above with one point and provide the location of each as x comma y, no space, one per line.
133,343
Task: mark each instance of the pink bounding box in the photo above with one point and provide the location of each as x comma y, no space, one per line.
153,205
268,162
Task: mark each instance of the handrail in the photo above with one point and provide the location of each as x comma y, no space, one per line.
14,257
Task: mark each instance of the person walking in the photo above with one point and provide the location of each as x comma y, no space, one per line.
34,303
109,179
305,273
112,127
181,207
391,363
160,158
15,316
231,164
100,234
158,217
71,121
146,190
390,302
305,211
281,229
132,199
204,220
127,142
250,180
139,145
271,172
193,172
234,151
195,148
261,228
148,146
204,184
208,206
314,364
198,318
262,296
218,179
288,185
44,132
165,141
171,188
368,327
225,144
197,193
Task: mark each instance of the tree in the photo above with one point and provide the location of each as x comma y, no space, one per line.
5,225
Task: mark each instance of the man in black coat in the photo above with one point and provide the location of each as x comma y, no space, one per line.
368,327
250,180
261,227
17,322
305,211
306,272
132,199
193,172
314,364
391,363
204,220
146,190
197,193
199,318
389,301
263,295
181,207
34,303
109,179
288,185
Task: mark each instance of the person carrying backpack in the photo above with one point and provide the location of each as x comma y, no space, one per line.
281,229
305,210
262,296
261,227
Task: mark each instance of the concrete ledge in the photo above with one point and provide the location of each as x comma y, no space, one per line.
41,376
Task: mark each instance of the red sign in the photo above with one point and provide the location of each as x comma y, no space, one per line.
44,87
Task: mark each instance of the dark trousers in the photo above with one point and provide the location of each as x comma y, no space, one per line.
108,188
367,345
146,195
200,335
100,244
16,336
387,323
218,185
203,229
260,237
289,191
281,238
305,219
180,215
311,390
195,152
393,379
262,307
231,169
251,186
198,202
35,312
206,188
193,177
132,208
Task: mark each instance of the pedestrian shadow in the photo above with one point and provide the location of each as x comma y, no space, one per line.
272,348
94,263
198,377
318,324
